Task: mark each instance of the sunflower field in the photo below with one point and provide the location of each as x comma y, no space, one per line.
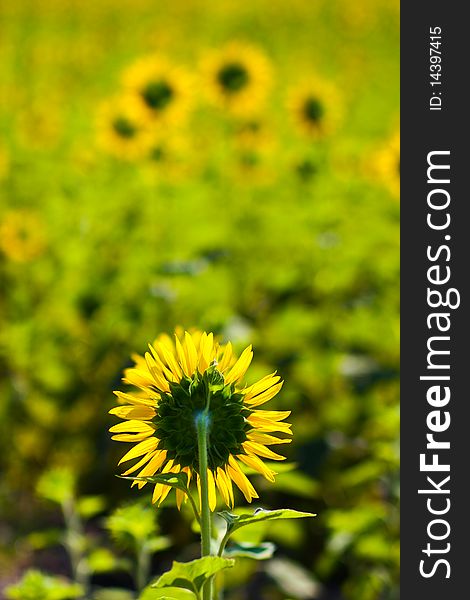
194,166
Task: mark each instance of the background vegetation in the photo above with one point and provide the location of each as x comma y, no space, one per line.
267,221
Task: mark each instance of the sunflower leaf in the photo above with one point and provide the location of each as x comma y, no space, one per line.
167,593
176,480
192,575
234,522
261,551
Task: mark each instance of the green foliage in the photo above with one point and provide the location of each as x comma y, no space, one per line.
194,574
261,551
57,485
234,521
167,593
38,586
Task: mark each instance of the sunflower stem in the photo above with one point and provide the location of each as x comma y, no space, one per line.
202,425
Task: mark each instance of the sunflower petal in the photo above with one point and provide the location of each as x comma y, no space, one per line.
241,480
137,400
144,413
142,448
240,367
261,385
191,353
130,426
140,464
226,359
256,463
155,463
258,449
264,396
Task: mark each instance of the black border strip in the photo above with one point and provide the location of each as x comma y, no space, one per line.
423,131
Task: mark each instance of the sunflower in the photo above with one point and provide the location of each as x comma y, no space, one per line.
21,235
237,77
121,130
386,164
162,91
315,108
176,381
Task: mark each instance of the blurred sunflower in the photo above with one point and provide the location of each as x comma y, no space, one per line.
315,108
22,235
386,164
237,77
176,381
162,90
121,130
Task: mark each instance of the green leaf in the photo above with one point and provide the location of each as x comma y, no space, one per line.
176,480
38,586
168,593
261,551
102,560
57,484
89,506
192,575
234,522
157,544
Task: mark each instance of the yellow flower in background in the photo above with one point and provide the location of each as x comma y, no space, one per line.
121,130
315,108
386,164
237,77
162,91
177,380
22,236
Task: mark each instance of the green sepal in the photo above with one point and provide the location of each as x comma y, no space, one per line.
261,551
192,575
176,480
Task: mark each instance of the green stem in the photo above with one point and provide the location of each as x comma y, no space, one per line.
223,543
74,543
194,507
143,566
202,424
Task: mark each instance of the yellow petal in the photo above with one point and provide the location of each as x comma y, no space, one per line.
211,490
180,495
224,486
131,426
141,463
141,378
191,353
157,367
272,415
172,363
264,396
267,426
167,488
137,400
206,352
156,462
266,439
240,367
254,448
256,463
241,480
182,357
144,413
261,385
128,437
142,448
226,360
